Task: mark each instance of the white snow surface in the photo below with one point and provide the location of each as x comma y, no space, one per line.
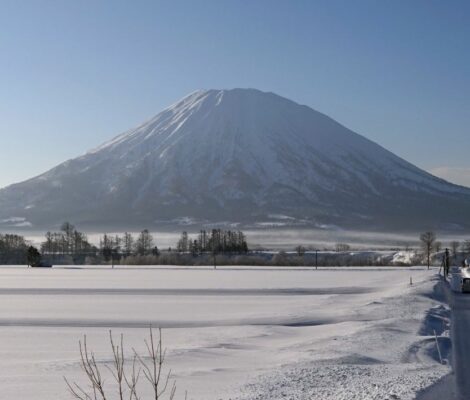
231,333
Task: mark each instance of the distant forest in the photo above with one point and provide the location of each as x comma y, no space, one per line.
70,246
214,247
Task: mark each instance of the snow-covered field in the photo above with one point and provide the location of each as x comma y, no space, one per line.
231,333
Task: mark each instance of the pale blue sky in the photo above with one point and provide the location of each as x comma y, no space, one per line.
76,73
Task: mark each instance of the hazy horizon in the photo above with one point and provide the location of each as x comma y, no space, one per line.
284,239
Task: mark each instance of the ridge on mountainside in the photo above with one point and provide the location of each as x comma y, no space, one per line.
238,156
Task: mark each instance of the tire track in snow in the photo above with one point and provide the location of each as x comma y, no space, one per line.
166,324
183,292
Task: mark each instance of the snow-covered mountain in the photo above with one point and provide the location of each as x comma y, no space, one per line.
238,155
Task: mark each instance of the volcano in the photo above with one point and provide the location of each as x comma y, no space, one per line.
242,157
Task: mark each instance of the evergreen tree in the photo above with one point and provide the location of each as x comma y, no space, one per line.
33,256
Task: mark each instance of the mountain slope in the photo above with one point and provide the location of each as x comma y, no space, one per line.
238,155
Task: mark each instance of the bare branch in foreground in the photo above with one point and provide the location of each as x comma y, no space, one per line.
126,379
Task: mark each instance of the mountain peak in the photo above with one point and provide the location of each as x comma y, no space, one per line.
238,155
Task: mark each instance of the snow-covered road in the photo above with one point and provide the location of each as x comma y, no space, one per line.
460,335
461,342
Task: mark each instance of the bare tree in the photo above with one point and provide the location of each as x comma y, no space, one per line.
428,240
466,247
183,243
127,380
300,250
128,244
455,246
144,243
342,247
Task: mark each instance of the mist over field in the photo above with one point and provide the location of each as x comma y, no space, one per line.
288,239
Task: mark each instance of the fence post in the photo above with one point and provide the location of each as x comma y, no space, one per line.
437,344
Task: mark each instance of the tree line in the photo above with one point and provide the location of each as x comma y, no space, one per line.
216,241
70,246
431,248
117,247
68,242
13,249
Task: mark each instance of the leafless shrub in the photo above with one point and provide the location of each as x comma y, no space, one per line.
140,260
280,259
250,260
127,379
300,250
342,247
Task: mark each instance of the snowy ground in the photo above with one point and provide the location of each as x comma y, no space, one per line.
233,333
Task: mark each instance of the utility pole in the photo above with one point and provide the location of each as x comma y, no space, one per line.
113,253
